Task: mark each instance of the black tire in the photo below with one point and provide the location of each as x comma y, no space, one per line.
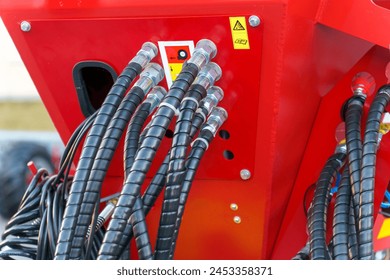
14,173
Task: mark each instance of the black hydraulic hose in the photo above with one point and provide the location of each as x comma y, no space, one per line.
152,75
89,151
353,113
367,180
152,192
176,170
303,254
353,249
132,135
157,184
110,248
198,149
341,218
319,208
137,223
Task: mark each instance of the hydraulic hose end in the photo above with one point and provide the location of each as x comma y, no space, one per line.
155,96
385,90
216,119
363,84
150,77
204,51
207,76
213,97
147,52
153,71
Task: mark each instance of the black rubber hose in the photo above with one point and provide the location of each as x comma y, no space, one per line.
100,166
157,184
353,249
85,124
367,181
319,208
192,164
110,248
176,171
353,115
89,151
303,254
341,218
133,134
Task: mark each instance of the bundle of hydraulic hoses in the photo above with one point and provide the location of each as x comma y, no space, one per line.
65,217
354,163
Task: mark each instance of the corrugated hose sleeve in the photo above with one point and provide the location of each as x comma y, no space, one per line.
89,151
110,248
341,218
319,208
100,166
192,164
176,171
367,181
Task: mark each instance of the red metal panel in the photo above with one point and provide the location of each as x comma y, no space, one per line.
321,145
272,112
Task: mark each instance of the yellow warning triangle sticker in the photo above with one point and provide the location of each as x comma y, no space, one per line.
238,26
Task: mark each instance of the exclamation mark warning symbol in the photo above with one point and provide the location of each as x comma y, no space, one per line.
173,55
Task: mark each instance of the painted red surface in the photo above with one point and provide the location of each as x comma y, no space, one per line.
283,97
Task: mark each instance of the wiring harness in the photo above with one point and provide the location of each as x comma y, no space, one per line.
355,159
63,216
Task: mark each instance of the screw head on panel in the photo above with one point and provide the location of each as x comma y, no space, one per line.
245,174
237,219
25,26
254,21
233,206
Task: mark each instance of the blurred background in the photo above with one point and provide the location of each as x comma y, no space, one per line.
26,131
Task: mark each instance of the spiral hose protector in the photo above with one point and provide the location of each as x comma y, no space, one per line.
133,134
303,254
176,171
353,249
354,145
143,159
89,151
100,166
319,208
367,181
158,182
192,164
341,218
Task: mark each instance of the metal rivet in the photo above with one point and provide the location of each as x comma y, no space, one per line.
234,207
25,26
254,21
237,219
245,174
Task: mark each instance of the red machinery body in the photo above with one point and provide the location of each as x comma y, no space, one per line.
283,94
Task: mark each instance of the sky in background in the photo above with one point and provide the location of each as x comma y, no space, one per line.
15,82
